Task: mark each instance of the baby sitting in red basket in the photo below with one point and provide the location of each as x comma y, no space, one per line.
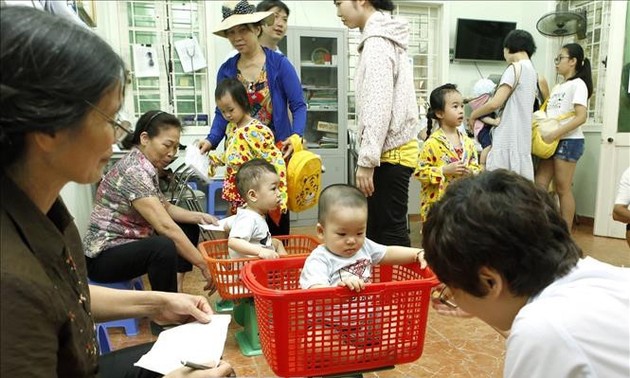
347,256
257,182
346,259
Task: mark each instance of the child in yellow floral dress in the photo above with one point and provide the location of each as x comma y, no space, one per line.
247,139
447,154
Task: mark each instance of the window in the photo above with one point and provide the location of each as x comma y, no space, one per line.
160,24
595,46
423,41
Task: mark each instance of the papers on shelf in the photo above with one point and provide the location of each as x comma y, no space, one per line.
194,342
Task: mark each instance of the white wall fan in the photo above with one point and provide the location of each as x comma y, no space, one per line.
563,22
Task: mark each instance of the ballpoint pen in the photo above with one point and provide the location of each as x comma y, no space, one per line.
195,366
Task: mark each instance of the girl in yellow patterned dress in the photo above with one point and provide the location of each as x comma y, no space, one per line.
448,153
247,138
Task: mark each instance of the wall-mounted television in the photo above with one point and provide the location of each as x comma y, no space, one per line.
481,39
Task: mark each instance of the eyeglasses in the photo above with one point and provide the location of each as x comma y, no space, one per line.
446,297
120,131
559,58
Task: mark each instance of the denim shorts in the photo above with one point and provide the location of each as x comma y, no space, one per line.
570,150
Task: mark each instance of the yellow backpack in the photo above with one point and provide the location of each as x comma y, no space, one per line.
304,177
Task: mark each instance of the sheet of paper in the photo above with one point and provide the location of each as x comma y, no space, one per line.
145,61
222,223
193,342
197,161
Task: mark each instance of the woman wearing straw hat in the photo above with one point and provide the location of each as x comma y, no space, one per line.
272,85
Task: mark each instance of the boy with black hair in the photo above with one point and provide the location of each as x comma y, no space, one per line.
257,183
505,255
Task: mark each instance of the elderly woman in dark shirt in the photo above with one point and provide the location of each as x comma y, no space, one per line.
61,85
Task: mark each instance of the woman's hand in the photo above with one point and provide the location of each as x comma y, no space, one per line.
364,179
205,218
286,148
224,369
204,146
211,286
549,137
178,308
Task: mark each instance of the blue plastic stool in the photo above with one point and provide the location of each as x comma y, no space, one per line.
213,187
102,338
130,325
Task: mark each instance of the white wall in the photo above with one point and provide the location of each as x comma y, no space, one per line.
524,13
322,13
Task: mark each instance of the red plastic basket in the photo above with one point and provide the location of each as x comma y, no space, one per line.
333,330
225,271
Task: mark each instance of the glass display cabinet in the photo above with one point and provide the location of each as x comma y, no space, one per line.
319,57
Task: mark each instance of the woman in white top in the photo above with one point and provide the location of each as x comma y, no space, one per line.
571,95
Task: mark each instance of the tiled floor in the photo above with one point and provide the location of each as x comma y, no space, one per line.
453,347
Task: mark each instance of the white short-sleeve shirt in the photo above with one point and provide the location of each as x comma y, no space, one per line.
576,327
323,267
563,99
252,227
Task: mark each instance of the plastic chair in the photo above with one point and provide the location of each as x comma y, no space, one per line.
213,187
130,325
102,338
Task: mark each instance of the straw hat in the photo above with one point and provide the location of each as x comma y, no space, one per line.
241,13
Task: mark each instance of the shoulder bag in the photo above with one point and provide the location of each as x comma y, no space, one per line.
542,126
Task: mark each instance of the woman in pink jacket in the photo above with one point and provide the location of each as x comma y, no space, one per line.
387,116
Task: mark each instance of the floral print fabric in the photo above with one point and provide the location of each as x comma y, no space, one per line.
437,151
114,220
244,143
259,97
